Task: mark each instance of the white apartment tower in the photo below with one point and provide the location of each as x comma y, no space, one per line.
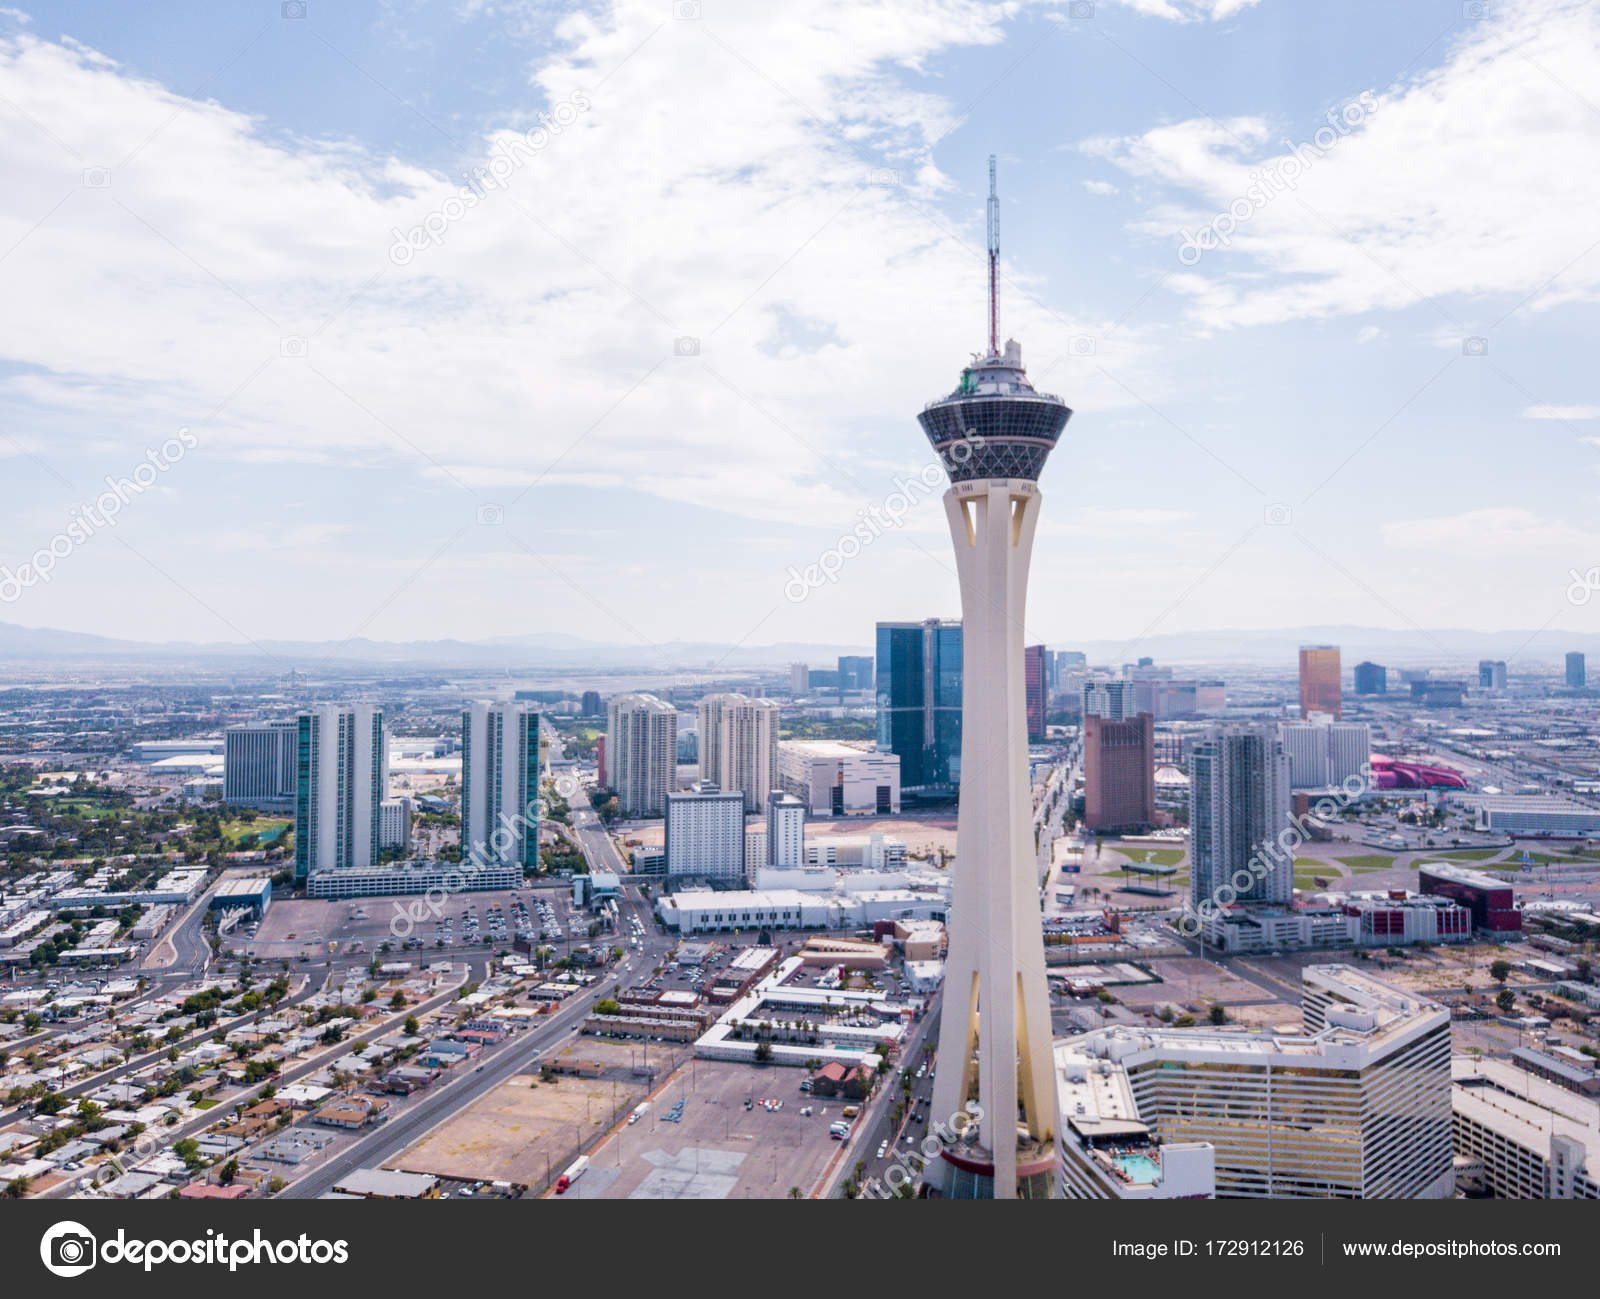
500,784
394,823
1239,806
341,778
641,752
786,831
1112,700
739,745
705,837
1323,752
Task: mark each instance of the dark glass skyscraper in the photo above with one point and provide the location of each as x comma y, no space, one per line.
1036,679
919,702
1372,679
855,672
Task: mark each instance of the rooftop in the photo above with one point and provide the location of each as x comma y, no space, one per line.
1524,1107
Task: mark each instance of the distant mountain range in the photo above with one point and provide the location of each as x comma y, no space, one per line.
1449,650
552,650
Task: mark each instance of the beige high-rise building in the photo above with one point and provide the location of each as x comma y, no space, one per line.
642,752
739,746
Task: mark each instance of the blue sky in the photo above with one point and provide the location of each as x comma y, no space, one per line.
496,431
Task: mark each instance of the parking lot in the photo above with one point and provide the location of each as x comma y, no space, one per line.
409,924
717,1149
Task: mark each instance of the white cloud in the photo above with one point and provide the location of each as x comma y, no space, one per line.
1186,11
1492,532
1562,412
1477,177
537,340
1101,187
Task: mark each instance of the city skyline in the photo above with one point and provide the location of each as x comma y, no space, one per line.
264,347
537,664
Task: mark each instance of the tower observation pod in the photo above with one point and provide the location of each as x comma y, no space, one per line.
994,1089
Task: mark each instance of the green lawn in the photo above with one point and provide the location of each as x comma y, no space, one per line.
268,828
1470,854
1159,856
1368,862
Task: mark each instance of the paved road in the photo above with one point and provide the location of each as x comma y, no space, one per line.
875,1125
599,848
186,940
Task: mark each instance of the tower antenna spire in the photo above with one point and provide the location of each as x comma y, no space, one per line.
994,263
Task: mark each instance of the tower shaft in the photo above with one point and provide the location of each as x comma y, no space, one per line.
993,435
994,1038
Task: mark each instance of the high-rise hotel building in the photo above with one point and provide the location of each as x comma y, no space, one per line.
1323,752
1239,805
1036,682
739,746
1112,700
641,752
919,702
258,765
341,778
1319,681
500,784
1355,1107
786,831
1119,773
705,837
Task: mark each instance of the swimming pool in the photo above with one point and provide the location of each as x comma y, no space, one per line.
1141,1170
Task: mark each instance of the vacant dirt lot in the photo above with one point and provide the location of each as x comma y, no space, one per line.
525,1129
